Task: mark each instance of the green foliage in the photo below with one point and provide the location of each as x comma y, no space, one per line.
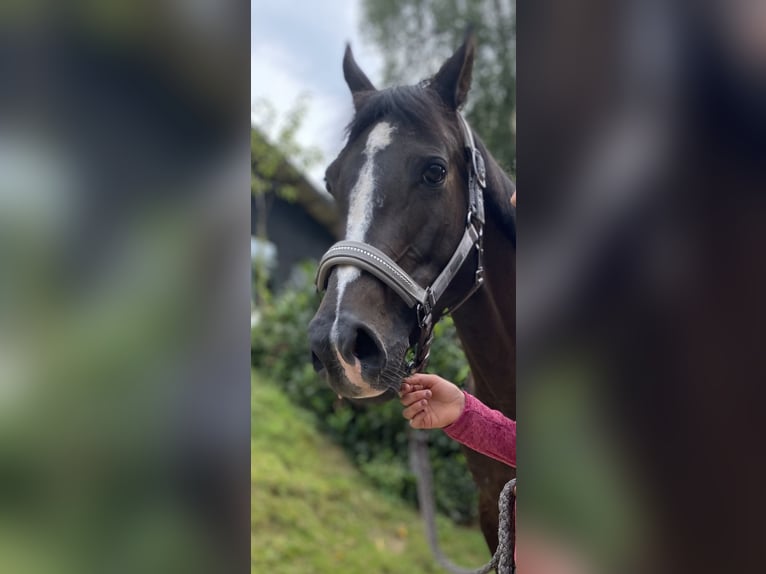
277,161
417,36
275,141
312,511
374,437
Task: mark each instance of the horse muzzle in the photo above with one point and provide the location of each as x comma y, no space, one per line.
350,353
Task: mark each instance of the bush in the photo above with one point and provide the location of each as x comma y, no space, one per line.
375,437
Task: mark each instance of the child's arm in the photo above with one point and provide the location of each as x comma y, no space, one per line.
433,402
485,430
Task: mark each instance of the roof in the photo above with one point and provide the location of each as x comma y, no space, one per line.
319,205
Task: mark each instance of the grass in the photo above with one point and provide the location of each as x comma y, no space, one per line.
312,511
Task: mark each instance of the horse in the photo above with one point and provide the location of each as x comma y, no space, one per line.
430,229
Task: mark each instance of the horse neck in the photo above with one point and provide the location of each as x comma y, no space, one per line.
486,323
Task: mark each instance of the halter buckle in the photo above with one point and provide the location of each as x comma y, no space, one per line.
473,219
479,168
425,309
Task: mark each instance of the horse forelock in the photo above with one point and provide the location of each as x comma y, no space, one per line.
415,106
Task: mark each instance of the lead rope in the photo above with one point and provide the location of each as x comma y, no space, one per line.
503,559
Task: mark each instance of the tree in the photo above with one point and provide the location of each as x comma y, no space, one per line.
275,153
416,36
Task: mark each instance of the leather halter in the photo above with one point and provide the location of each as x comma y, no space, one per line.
423,300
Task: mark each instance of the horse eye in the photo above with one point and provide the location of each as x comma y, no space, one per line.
434,174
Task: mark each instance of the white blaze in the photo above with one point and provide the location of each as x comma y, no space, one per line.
359,218
360,209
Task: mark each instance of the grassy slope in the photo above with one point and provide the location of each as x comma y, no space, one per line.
312,512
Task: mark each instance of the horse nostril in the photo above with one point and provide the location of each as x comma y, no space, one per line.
366,348
316,361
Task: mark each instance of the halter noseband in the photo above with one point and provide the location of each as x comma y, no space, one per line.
424,300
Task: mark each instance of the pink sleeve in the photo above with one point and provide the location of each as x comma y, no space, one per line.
485,430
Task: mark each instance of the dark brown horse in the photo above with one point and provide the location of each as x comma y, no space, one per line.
412,188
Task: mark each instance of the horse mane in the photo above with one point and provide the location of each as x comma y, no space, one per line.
497,197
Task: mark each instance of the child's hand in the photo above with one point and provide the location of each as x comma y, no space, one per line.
431,402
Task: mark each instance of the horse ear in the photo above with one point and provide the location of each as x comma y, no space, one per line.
355,78
453,80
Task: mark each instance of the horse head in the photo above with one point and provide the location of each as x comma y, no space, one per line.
402,186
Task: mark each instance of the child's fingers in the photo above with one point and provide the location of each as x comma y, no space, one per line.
410,386
414,409
425,380
419,420
408,389
415,396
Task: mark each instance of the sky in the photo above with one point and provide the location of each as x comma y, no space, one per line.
297,47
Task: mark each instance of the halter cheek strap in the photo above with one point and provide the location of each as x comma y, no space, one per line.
424,300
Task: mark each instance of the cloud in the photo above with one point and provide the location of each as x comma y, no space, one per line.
294,51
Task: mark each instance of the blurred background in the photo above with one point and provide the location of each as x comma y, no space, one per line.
640,325
124,287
